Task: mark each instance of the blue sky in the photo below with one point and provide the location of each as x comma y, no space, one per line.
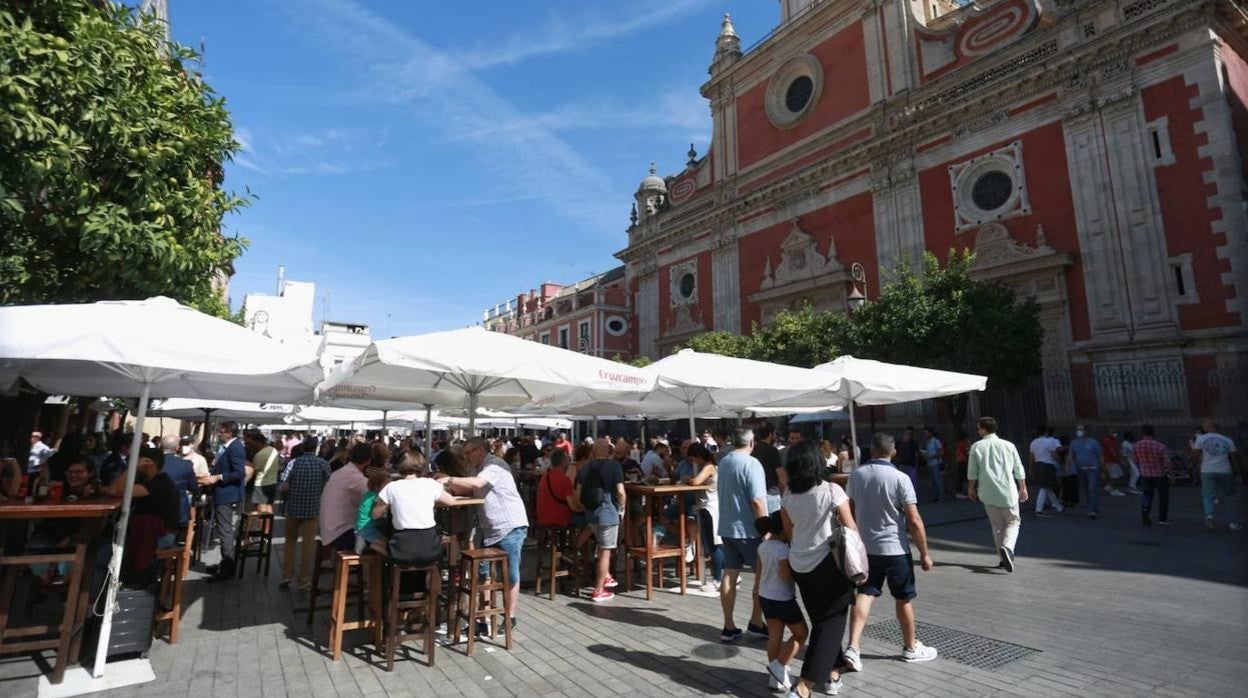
424,160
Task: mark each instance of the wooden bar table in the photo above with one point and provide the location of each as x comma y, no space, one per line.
650,551
67,638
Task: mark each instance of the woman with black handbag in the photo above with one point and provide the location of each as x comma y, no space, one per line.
811,511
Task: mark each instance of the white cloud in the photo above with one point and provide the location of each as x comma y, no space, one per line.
330,151
443,95
562,33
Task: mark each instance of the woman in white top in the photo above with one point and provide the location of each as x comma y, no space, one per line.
707,510
409,502
810,510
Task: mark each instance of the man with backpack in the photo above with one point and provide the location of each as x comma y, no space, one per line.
600,490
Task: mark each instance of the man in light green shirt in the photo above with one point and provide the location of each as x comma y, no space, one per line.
996,477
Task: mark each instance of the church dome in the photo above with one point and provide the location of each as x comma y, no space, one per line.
653,182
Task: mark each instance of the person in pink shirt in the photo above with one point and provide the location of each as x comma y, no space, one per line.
340,502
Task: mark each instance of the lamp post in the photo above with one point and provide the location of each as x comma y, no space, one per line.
857,298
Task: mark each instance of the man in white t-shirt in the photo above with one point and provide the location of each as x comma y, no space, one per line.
1213,451
39,453
1044,469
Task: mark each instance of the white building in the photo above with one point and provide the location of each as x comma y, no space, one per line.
342,342
287,317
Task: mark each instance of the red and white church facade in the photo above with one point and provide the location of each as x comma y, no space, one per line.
1091,152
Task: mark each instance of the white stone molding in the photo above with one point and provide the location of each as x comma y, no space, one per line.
726,287
647,315
1226,178
964,177
1094,223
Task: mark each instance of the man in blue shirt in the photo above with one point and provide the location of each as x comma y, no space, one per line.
228,478
742,500
1085,453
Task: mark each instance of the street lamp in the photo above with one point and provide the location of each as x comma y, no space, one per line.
857,297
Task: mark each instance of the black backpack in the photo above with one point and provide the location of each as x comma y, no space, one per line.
591,490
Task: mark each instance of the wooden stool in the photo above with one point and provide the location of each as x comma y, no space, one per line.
470,583
174,565
400,605
255,539
64,638
557,558
368,566
324,565
203,528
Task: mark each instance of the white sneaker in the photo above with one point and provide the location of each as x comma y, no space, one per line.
1117,493
710,587
919,653
852,659
1236,526
688,554
832,688
779,675
1132,490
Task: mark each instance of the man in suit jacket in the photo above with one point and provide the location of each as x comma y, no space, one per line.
229,480
182,472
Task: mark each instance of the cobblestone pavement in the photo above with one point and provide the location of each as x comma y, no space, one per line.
1103,607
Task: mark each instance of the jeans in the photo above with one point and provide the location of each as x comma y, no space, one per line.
1090,484
1160,485
1221,486
827,596
716,552
938,480
512,543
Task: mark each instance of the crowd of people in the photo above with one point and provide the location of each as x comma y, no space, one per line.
787,510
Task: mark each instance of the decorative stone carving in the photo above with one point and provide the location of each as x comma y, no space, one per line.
683,283
994,246
990,187
976,125
800,260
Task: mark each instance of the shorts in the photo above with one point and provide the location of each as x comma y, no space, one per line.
264,494
787,612
740,553
510,544
897,569
608,537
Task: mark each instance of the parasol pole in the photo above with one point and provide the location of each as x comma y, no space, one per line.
119,538
428,430
853,434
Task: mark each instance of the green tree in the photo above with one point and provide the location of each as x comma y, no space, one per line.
110,179
942,319
636,362
948,320
723,343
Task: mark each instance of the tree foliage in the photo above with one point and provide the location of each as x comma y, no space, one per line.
110,180
942,319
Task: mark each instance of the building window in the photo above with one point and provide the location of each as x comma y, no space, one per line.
1157,142
583,329
793,91
545,338
563,337
989,188
799,93
617,326
1182,279
688,284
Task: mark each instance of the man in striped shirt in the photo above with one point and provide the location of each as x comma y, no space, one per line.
1153,460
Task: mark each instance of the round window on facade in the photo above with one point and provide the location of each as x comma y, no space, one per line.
992,190
799,93
616,326
793,90
688,284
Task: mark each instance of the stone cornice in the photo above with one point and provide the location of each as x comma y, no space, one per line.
909,118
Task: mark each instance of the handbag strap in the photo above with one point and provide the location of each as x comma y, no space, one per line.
551,488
